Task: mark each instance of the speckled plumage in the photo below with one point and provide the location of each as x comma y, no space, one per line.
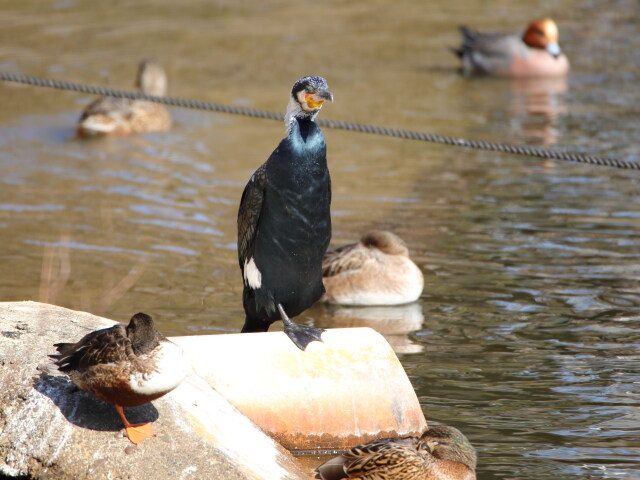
376,270
441,453
122,116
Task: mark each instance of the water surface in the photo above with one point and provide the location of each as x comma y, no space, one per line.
526,337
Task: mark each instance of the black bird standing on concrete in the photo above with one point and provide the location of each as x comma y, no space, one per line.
284,223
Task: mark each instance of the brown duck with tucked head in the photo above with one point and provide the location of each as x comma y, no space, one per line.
127,365
122,116
376,270
441,453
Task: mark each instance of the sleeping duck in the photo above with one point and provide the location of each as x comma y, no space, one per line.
376,270
127,365
122,116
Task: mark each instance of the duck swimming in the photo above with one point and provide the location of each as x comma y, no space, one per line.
376,270
534,54
122,116
441,453
284,222
127,365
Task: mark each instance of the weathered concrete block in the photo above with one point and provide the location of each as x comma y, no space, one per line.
48,429
347,390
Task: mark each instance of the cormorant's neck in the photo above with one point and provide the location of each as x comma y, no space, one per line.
295,112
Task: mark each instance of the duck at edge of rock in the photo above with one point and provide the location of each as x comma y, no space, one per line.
127,365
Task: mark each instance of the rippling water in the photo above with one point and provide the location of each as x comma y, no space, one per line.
526,337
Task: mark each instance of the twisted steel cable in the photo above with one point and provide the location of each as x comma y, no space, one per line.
354,127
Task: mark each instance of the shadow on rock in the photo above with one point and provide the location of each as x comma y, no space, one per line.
86,411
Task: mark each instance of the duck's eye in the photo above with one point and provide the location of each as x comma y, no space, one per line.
309,89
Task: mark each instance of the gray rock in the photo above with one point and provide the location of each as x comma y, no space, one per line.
50,429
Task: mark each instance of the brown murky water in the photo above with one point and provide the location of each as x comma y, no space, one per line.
526,337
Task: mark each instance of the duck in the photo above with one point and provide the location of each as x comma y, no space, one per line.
376,270
127,365
109,116
440,453
284,221
534,54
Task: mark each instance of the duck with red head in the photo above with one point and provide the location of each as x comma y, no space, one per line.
534,54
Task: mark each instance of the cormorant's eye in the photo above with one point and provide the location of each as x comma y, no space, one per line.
309,89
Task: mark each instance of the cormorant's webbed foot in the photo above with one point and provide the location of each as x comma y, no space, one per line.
301,335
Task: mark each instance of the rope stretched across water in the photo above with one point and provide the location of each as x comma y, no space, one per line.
354,127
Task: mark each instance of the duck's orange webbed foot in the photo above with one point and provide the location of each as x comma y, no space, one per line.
136,432
139,431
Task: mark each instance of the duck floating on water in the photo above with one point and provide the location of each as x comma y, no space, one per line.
122,116
127,365
441,453
284,223
534,54
376,270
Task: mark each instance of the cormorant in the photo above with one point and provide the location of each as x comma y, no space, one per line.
284,223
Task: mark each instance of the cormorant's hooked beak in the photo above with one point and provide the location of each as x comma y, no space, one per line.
325,94
554,49
315,100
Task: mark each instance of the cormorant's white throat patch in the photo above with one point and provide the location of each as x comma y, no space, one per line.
252,275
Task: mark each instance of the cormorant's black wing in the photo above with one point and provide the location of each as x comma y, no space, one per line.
249,213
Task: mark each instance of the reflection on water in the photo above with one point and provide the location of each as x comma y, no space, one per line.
535,105
395,323
526,335
57,269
